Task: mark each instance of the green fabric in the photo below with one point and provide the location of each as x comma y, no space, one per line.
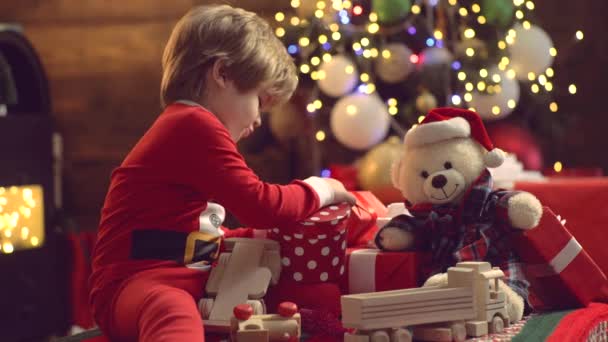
538,328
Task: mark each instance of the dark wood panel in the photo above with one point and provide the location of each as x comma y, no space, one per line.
75,51
91,11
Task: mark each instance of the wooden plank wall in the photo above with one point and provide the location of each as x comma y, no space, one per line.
103,61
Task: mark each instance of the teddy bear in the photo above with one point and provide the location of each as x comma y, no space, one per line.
454,212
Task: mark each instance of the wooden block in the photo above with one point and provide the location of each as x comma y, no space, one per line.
433,334
405,320
266,243
407,296
252,336
348,337
476,328
239,278
213,283
272,260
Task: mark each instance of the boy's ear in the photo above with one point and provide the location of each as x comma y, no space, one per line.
218,73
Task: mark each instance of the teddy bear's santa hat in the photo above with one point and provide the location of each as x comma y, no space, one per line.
448,123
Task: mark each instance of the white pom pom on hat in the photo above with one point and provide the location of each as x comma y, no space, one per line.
447,123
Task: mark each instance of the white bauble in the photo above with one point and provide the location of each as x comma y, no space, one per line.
509,94
360,121
435,56
530,51
397,66
338,76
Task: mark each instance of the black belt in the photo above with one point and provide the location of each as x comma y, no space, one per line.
182,247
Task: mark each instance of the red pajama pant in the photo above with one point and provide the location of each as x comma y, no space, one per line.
155,305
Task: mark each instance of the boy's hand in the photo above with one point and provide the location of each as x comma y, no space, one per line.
340,194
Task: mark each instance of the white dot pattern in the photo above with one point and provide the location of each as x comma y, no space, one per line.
313,241
341,269
315,218
285,261
325,251
311,265
333,207
335,261
297,276
324,276
287,237
299,251
324,213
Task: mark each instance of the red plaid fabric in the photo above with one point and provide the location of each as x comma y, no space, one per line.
478,229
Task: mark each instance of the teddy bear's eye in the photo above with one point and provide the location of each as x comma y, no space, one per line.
424,174
447,165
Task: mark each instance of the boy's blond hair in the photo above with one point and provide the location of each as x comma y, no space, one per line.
253,56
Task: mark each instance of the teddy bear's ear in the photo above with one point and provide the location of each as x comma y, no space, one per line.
395,171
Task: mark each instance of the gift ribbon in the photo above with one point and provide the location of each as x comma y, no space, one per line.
362,271
559,262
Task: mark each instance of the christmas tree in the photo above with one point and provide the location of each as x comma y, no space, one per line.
374,68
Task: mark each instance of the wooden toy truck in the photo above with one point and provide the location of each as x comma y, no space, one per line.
242,275
285,326
471,304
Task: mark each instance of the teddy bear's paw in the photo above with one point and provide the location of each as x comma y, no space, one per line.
439,279
515,303
525,210
394,239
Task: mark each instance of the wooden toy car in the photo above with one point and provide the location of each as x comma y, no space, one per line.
284,326
471,304
242,275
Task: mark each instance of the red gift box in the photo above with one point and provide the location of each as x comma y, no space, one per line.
362,226
373,270
347,174
313,251
561,273
583,203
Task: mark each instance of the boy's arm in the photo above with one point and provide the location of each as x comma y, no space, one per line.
218,170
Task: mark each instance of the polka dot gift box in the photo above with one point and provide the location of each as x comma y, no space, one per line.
314,250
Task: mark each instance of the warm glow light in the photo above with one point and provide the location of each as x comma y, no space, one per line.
572,89
558,166
519,14
579,35
511,103
416,9
351,110
469,87
531,76
463,11
530,5
295,3
553,52
475,8
502,45
393,110
553,107
469,33
295,21
373,28
280,32
483,73
322,39
470,52
279,16
462,76
386,54
550,72
21,217
320,135
535,88
496,110
481,19
438,35
315,61
468,97
304,68
336,36
392,102
420,118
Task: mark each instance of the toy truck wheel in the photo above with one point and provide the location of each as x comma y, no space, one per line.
204,307
401,335
379,336
497,325
459,332
258,307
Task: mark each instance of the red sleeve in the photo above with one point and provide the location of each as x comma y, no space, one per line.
215,167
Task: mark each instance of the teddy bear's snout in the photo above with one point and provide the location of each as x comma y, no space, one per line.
439,181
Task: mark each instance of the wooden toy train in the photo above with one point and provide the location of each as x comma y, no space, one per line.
471,304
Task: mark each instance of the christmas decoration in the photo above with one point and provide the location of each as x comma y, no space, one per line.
519,141
375,170
379,66
359,121
395,64
338,76
530,51
390,11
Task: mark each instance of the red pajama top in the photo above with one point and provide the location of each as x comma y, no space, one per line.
184,160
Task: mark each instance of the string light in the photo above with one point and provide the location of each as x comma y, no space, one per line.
438,35
393,110
279,16
495,110
553,107
530,5
304,41
320,136
463,12
295,21
420,118
295,3
549,72
416,9
470,52
558,166
373,17
469,33
481,19
364,77
483,73
511,103
481,86
462,76
322,39
526,24
373,28
572,89
579,35
535,88
469,87
475,8
553,52
456,100
280,32
531,76
519,14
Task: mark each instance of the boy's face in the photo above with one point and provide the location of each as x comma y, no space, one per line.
240,111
